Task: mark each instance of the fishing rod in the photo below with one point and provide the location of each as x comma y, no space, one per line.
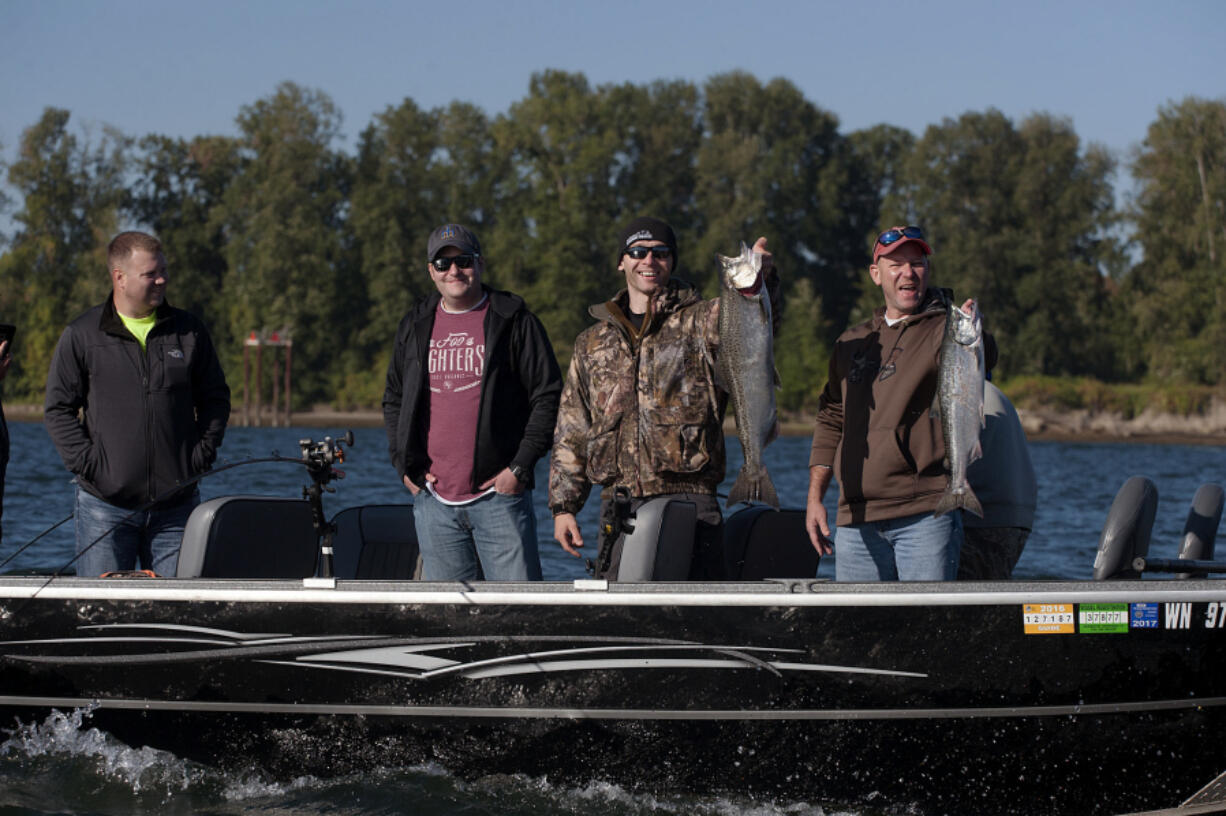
35,540
317,458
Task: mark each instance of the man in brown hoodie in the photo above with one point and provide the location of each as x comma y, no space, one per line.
876,434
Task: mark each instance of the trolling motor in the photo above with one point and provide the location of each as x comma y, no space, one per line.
319,458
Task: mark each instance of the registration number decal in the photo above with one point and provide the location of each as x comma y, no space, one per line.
1049,619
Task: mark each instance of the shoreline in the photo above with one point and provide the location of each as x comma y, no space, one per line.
1041,425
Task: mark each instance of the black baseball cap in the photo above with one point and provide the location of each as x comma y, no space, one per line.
455,235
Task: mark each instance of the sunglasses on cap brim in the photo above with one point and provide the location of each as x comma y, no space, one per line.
894,235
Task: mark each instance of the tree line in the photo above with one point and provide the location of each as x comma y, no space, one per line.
279,229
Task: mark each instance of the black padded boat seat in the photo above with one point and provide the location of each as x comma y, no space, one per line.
376,541
249,537
761,542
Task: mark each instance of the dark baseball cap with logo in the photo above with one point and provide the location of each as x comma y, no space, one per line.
454,235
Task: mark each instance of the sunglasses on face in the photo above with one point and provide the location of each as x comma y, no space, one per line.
442,264
660,253
891,236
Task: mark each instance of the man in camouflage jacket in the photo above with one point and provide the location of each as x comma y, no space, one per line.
641,408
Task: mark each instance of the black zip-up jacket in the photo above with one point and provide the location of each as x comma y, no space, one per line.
152,418
520,388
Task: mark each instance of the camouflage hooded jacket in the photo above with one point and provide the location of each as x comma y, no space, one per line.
642,409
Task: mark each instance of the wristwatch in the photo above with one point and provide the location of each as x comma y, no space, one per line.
518,472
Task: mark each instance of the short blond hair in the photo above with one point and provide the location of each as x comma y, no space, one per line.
125,243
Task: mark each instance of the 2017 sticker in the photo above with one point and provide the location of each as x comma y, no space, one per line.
1144,616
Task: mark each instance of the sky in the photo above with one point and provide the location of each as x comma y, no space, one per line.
186,69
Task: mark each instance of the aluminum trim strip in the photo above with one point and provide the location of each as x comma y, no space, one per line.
294,593
492,712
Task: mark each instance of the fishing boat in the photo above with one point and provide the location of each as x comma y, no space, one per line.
318,652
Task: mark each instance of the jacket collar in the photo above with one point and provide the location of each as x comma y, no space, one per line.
936,299
504,304
110,322
675,295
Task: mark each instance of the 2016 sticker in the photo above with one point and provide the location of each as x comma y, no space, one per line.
1049,619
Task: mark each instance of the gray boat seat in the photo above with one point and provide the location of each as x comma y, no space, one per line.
376,541
659,544
1126,532
761,542
1200,530
249,537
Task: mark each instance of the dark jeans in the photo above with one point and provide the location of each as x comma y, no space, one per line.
107,540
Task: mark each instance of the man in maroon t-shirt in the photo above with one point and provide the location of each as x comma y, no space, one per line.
472,394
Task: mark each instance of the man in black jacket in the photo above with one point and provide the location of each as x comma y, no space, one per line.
472,394
155,406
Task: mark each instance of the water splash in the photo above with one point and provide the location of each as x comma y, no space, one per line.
107,773
141,770
521,794
62,765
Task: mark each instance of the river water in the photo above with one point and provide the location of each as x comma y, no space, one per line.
63,766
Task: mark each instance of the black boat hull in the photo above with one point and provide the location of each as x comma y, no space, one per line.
986,698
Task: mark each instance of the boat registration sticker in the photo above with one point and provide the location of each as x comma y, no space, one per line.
1100,618
1049,619
1144,616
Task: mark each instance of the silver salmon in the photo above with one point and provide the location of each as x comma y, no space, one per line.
960,377
746,369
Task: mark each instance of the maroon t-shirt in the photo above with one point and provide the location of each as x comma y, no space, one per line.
456,361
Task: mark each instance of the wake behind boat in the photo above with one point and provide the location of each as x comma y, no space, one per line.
1051,696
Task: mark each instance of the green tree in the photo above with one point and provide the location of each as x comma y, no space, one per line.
881,155
799,358
1177,293
392,215
772,163
287,265
1019,219
55,267
659,130
179,188
558,208
415,170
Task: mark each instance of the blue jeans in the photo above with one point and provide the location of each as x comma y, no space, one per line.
922,547
498,531
151,537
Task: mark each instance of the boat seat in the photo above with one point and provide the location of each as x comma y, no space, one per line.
761,542
1200,530
658,544
376,541
1127,530
249,537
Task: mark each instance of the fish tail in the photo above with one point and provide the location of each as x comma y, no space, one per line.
753,488
766,488
953,499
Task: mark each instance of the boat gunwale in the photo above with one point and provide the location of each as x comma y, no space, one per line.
792,592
